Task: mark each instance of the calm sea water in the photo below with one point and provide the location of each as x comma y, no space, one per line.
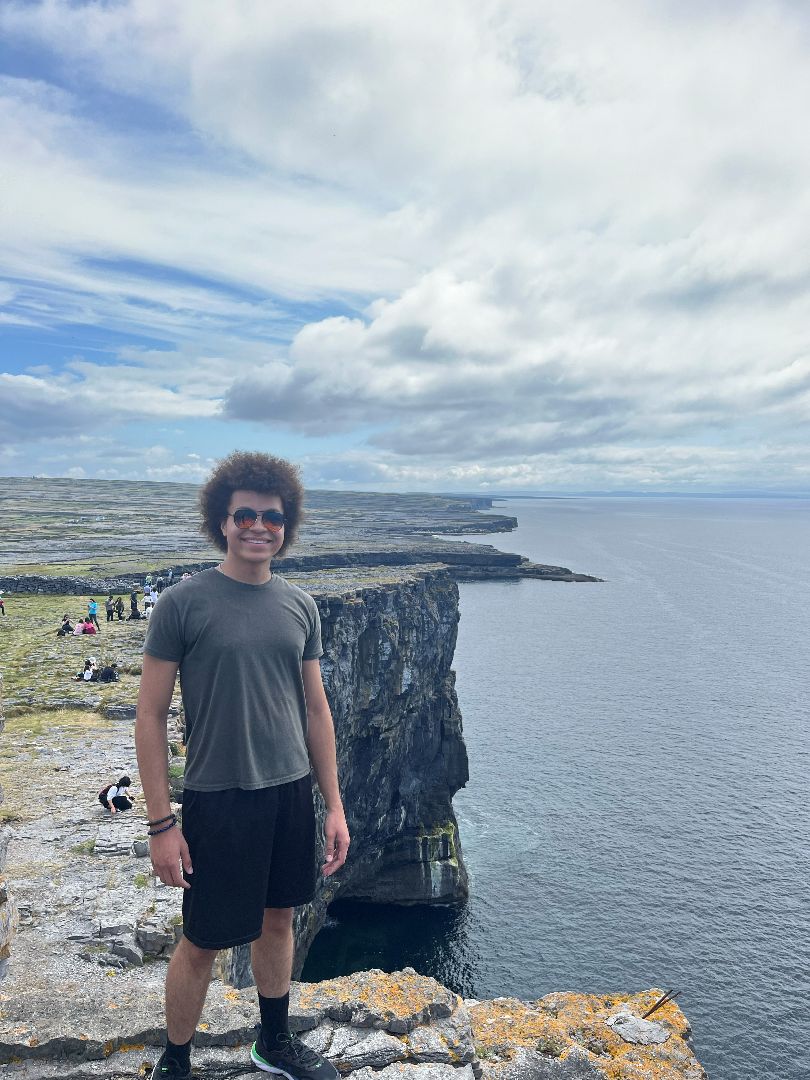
637,812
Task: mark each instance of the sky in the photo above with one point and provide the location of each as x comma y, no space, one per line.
506,245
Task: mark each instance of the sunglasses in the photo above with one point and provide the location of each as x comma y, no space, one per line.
245,517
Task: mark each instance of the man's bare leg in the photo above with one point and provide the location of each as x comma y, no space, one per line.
275,1050
186,986
271,954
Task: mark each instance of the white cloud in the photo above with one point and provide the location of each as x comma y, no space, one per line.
575,237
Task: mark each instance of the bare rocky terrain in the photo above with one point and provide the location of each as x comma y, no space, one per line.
113,532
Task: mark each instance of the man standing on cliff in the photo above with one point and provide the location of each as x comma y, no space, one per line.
246,643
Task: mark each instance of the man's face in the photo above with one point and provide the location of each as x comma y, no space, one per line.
256,544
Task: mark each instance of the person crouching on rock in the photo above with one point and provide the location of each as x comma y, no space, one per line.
116,796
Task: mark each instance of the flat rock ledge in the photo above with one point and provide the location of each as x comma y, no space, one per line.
375,1026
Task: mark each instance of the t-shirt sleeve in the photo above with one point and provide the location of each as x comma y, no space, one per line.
313,647
164,636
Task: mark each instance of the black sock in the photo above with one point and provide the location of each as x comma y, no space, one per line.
275,1017
179,1052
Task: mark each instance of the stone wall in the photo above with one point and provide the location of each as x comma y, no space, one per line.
66,586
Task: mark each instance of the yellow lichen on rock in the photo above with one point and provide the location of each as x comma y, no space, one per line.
560,1024
401,996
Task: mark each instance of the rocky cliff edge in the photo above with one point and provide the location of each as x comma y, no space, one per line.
374,1026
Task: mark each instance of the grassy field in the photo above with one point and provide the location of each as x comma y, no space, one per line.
38,666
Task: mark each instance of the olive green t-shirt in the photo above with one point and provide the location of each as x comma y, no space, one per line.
240,649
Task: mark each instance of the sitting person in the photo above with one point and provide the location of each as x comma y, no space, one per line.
109,673
88,674
79,627
89,626
67,627
116,796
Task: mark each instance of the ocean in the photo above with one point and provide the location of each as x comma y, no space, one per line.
637,810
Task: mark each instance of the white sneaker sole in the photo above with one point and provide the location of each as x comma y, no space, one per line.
260,1063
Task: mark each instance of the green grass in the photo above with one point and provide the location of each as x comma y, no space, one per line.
38,667
54,723
86,847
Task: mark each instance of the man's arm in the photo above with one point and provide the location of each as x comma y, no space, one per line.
321,744
168,849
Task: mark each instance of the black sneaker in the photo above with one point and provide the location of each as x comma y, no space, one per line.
292,1059
168,1069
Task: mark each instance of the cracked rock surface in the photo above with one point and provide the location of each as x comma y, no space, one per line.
400,1026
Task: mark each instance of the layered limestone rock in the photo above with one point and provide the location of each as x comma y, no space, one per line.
387,670
401,1026
388,650
82,877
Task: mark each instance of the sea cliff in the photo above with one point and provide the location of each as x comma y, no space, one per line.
82,876
388,650
88,908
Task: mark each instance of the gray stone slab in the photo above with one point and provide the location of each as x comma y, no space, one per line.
528,1065
407,1071
633,1029
354,1048
449,1040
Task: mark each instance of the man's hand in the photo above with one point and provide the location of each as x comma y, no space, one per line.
169,852
336,841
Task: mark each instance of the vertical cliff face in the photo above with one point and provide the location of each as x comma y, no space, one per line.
388,649
386,668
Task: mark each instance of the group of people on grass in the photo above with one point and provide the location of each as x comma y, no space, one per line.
89,624
91,672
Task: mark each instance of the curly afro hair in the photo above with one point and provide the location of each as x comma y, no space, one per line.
251,472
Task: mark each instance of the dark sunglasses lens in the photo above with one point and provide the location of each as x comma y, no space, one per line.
273,520
244,518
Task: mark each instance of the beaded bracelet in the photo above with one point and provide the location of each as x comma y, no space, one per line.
160,821
157,832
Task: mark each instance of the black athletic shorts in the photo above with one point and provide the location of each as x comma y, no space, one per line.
250,850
